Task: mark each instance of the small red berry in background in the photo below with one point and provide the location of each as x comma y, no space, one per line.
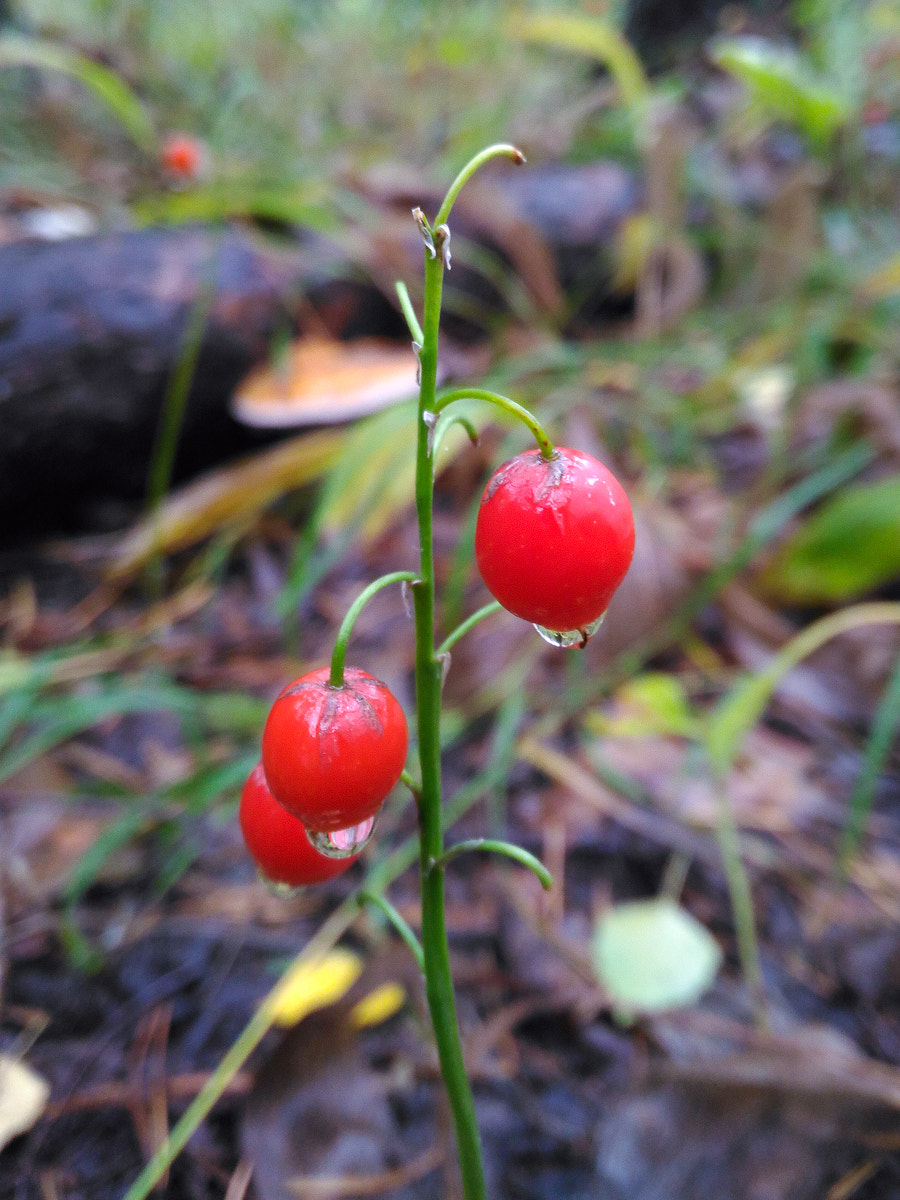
332,755
183,157
278,842
554,539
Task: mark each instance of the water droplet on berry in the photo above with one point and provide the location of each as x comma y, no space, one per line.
284,891
342,843
566,638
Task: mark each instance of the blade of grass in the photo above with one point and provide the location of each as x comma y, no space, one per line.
116,835
293,203
596,38
18,51
62,718
885,726
173,409
741,708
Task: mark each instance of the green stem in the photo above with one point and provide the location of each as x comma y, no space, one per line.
339,655
469,623
399,923
411,783
409,312
500,150
438,980
884,727
517,410
741,897
443,427
495,846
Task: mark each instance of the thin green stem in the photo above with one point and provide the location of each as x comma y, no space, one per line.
438,979
516,410
500,150
168,433
470,622
494,846
399,923
885,723
409,313
741,896
443,427
339,655
411,783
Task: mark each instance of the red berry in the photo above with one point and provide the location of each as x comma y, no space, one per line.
332,755
554,539
278,842
182,156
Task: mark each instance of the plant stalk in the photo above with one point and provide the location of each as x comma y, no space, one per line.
429,672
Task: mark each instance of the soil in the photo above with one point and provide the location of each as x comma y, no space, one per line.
125,995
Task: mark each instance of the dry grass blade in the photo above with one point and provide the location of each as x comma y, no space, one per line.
240,1181
853,1180
367,1185
598,796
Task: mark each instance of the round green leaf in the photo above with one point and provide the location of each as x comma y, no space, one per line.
651,955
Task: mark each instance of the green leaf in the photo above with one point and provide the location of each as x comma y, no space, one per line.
651,955
16,51
850,546
784,83
652,703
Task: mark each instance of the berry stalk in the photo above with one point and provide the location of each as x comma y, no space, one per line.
429,672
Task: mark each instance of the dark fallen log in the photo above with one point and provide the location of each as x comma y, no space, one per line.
91,329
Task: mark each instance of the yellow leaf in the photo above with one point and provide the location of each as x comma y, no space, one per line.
379,1005
314,985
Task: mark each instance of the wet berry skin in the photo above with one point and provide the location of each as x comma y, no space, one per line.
277,841
332,755
554,538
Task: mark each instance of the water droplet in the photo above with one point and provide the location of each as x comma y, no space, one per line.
342,843
566,638
284,891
